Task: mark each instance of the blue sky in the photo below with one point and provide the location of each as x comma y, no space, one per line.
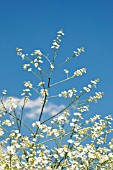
33,25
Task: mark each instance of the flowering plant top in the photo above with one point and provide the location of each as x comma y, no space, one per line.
65,139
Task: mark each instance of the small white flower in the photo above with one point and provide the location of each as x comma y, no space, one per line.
18,49
7,122
10,149
66,71
51,66
1,132
4,91
29,69
39,68
36,64
37,52
71,124
55,156
28,84
70,141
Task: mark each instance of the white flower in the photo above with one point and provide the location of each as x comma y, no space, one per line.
35,60
23,56
40,61
79,72
37,52
41,83
44,92
70,141
10,149
55,156
86,89
66,71
61,32
18,49
28,84
71,124
60,95
1,132
29,69
77,114
36,64
39,68
4,91
78,52
7,122
51,66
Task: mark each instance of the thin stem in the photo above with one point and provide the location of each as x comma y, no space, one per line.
76,99
65,62
22,115
59,112
47,58
53,138
62,81
35,74
36,90
16,119
42,107
52,96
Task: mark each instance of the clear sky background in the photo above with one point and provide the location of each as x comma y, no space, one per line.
32,24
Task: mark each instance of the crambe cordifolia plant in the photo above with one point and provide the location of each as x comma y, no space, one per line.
64,139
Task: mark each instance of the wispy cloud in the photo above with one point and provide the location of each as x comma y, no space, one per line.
33,108
50,109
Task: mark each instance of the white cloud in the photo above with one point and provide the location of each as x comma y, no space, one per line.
33,103
33,108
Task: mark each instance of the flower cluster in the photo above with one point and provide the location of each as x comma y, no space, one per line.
27,67
26,91
38,60
44,92
93,84
70,93
79,72
1,131
98,95
20,53
56,43
83,108
7,122
66,72
79,51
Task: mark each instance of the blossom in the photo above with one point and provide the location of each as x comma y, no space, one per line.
37,52
56,43
41,83
10,149
79,72
70,141
4,92
44,92
36,64
7,122
1,132
51,66
78,52
28,84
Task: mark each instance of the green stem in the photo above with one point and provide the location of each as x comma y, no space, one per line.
62,81
58,112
